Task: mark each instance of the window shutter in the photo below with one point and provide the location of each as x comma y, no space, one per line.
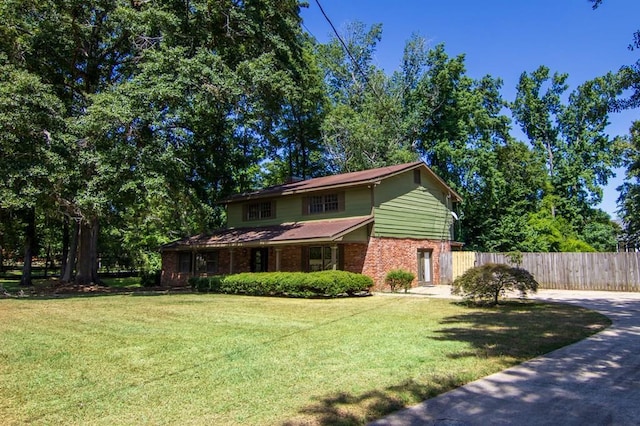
341,201
305,206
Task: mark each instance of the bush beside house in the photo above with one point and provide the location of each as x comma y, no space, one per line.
291,284
399,278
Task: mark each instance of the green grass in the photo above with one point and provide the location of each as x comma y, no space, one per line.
216,359
126,282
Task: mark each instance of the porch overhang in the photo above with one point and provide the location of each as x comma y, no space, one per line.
293,233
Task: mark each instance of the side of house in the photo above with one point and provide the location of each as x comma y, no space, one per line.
368,222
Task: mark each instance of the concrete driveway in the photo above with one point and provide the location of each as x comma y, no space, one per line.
593,382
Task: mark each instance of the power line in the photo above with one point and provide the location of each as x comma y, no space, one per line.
346,49
355,63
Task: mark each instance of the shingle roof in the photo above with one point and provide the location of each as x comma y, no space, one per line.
312,231
336,181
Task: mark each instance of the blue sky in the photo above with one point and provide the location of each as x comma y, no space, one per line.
503,38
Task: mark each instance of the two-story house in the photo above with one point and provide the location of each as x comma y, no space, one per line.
368,222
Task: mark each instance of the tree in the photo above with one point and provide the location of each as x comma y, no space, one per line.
361,128
166,106
571,139
31,147
629,200
629,75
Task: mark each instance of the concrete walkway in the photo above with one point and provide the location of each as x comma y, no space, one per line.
593,382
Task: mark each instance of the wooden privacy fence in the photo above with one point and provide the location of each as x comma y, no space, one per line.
563,271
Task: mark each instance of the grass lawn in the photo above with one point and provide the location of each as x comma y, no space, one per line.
217,359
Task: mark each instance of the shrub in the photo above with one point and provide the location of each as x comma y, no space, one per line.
150,270
206,284
399,278
150,278
292,284
487,283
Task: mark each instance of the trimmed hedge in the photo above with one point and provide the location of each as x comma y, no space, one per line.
291,284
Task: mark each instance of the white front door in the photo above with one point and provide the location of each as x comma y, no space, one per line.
424,266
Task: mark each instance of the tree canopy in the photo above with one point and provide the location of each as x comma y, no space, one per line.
122,124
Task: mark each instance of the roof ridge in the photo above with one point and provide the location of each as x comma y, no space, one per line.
336,180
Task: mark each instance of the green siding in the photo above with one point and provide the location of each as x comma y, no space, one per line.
357,202
404,209
359,235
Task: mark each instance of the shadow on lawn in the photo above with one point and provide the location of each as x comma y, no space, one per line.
346,409
513,332
521,330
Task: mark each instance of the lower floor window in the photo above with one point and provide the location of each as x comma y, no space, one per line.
321,258
204,262
184,262
207,262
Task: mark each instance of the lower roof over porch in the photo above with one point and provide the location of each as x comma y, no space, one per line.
310,232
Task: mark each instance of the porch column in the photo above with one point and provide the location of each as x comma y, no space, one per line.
230,261
334,257
278,257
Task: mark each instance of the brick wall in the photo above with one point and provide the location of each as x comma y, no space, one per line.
290,259
375,259
385,254
170,275
354,257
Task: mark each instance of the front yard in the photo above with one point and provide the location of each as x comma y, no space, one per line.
216,359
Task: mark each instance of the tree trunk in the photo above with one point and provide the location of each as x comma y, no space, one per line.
29,240
47,261
94,252
88,253
5,219
65,246
70,262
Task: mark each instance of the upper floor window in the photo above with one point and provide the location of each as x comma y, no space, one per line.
259,210
325,203
417,178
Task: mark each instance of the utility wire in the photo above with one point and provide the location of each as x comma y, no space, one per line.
346,49
355,63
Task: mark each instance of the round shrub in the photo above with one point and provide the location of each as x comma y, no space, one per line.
399,278
487,283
